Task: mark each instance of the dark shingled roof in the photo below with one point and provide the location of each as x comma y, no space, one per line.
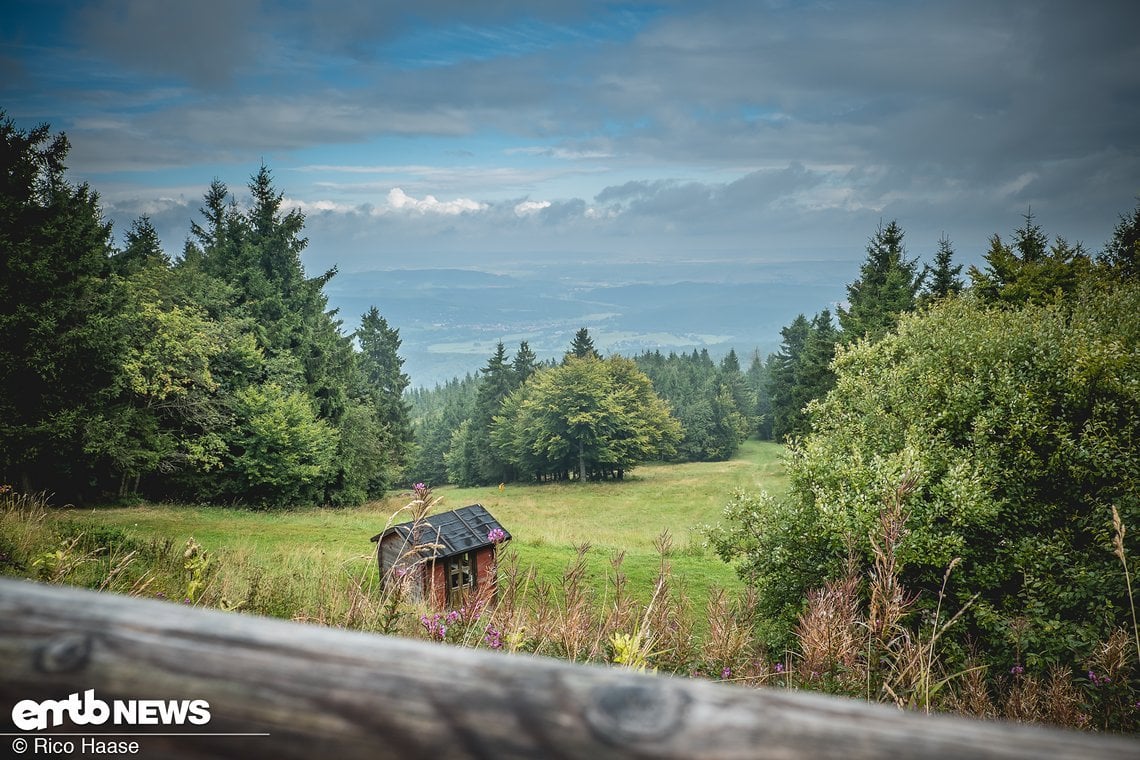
455,532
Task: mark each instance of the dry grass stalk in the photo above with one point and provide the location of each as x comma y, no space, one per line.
1118,548
831,635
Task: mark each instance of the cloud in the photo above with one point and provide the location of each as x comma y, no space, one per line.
398,200
730,125
530,207
203,42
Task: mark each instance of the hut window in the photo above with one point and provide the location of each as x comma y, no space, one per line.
460,575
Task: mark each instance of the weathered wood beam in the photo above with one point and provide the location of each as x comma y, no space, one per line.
323,692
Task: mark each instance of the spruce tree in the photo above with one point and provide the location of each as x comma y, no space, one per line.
1030,270
524,364
943,280
1122,252
887,286
142,248
381,369
583,345
60,355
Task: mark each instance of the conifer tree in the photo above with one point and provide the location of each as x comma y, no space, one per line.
142,248
887,286
1122,252
524,364
942,280
1030,270
60,354
801,372
583,345
381,369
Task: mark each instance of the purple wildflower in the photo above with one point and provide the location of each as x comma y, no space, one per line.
1017,670
496,535
434,626
726,674
1098,680
779,667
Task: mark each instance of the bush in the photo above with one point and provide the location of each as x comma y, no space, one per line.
1019,430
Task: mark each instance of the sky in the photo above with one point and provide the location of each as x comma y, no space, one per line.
731,135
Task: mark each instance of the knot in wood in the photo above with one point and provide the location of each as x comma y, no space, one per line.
627,713
65,653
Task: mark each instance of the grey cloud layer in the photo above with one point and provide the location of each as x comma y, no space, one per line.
951,116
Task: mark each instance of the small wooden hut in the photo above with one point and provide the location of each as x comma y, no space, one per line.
443,558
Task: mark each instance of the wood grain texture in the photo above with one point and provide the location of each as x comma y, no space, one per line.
322,692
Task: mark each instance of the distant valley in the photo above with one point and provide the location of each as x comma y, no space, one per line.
451,319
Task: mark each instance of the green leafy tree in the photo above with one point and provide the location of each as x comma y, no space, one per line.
280,452
163,416
887,286
588,417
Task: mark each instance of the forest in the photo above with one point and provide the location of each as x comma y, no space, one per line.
219,376
222,376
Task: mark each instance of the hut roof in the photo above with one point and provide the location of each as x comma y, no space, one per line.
449,533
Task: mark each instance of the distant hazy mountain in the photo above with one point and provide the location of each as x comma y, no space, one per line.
451,319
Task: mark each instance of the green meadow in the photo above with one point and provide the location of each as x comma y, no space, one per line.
550,523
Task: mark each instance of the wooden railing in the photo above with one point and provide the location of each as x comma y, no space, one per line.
281,689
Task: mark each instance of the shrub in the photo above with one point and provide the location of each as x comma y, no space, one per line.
1019,429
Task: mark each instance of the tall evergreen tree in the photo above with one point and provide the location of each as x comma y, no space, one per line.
943,280
887,286
437,414
474,460
1122,252
1029,241
757,379
381,370
583,345
524,364
142,248
60,354
297,347
1030,270
730,376
800,372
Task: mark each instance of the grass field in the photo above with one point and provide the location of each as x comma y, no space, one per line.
547,522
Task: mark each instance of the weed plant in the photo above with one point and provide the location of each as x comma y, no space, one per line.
862,636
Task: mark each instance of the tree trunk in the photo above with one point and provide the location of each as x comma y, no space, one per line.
581,460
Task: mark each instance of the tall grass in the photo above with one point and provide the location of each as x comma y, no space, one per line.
859,636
